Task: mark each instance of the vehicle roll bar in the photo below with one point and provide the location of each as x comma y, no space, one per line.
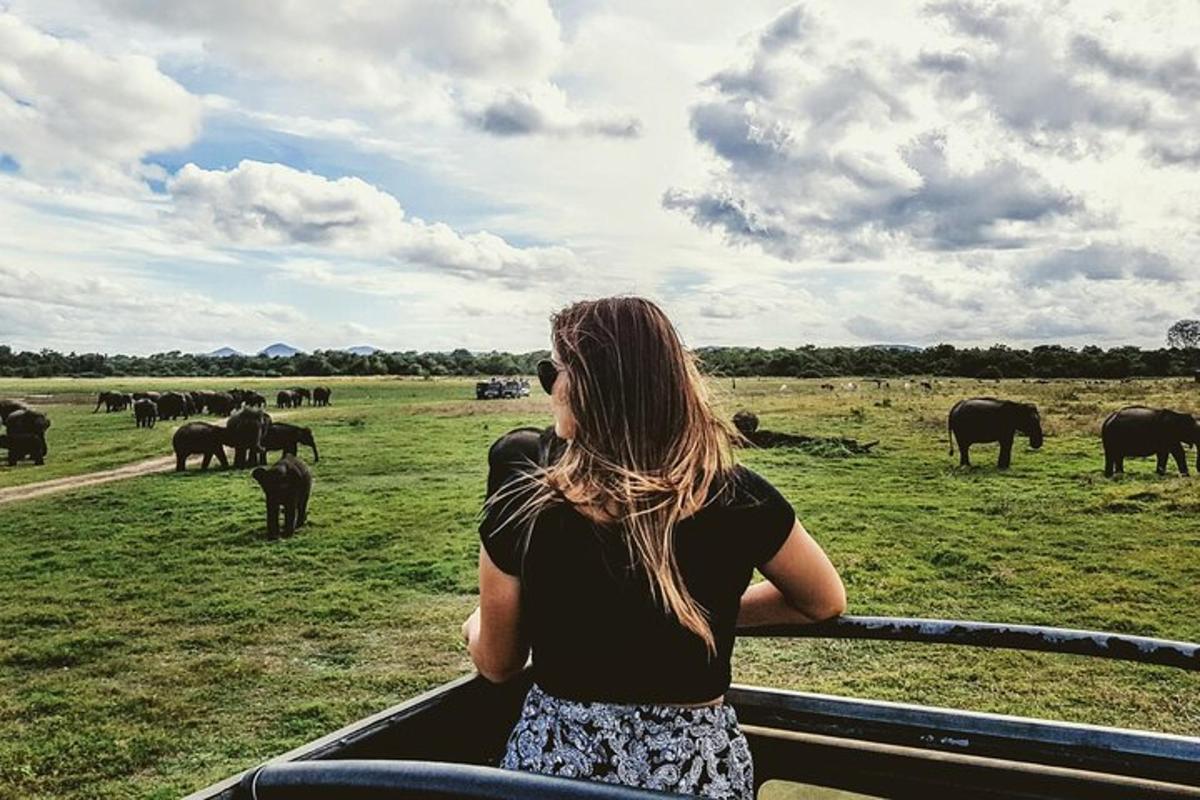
1097,644
401,780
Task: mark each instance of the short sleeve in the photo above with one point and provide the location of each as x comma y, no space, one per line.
764,516
510,459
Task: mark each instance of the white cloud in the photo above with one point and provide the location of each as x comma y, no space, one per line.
69,111
259,205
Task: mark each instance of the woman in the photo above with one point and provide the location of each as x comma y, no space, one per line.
620,548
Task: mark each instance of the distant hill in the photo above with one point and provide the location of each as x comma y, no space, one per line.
278,350
363,350
909,348
224,352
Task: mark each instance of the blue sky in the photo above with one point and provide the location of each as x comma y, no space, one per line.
186,176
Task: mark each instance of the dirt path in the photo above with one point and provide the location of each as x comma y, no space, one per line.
29,491
16,494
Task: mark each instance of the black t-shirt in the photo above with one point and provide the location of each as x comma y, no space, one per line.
595,629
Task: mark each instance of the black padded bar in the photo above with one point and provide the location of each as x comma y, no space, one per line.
402,780
1097,644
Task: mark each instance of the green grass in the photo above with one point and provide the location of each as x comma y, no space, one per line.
152,642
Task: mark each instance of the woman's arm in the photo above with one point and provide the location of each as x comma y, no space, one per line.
493,631
802,586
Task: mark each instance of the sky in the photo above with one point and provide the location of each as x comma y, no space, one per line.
433,174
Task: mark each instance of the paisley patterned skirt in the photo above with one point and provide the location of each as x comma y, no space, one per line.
697,751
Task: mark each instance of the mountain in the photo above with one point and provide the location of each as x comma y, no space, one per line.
224,352
278,350
363,350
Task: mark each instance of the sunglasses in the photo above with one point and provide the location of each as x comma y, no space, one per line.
547,372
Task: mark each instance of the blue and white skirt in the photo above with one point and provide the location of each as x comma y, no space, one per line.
697,751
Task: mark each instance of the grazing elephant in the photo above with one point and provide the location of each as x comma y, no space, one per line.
173,404
112,401
245,432
23,445
285,437
26,431
254,399
199,438
320,396
986,419
287,484
238,395
145,412
220,403
9,406
302,394
199,401
1139,431
286,399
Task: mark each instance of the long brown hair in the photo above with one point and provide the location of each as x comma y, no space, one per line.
648,445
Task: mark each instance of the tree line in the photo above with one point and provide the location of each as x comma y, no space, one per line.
809,361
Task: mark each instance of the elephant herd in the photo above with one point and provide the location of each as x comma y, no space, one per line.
149,407
24,432
1133,431
251,433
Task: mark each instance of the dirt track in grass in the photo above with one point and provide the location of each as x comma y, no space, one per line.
16,494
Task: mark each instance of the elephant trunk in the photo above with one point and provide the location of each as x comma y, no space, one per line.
313,444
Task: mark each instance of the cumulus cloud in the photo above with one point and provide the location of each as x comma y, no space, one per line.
256,205
488,62
67,110
1099,262
954,134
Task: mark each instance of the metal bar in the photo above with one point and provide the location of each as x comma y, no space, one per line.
1097,644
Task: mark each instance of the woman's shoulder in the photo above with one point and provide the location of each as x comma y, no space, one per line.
742,486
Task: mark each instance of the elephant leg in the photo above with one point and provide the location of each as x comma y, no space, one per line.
1109,464
272,520
964,453
1180,458
289,517
206,461
1161,468
220,453
39,451
1120,465
180,462
239,457
291,449
303,509
1006,445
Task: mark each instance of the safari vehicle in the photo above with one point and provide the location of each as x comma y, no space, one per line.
516,388
488,390
445,743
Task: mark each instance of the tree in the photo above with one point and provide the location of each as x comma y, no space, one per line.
1184,333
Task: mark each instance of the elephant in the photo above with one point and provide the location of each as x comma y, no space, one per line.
302,394
23,445
287,484
320,396
199,401
245,432
220,403
254,399
986,419
199,438
112,401
285,437
174,404
1140,431
26,431
9,406
147,396
286,399
145,412
238,395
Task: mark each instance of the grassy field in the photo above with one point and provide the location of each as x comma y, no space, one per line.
152,642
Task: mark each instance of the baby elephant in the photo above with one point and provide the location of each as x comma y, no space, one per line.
286,483
199,438
24,445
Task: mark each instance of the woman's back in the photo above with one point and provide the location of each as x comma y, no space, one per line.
596,629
